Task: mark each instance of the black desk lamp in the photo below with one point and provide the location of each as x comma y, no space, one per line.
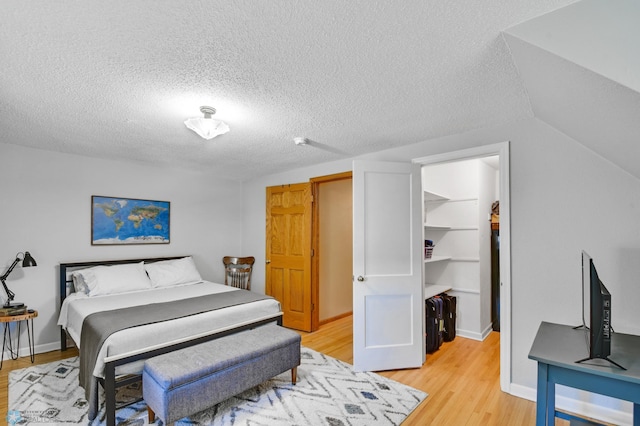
27,261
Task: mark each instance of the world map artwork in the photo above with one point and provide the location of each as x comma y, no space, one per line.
129,221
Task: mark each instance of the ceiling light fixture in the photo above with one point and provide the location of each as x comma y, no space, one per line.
207,127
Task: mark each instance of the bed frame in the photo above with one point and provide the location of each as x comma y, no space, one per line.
110,382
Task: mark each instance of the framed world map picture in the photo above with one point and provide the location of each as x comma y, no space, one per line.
116,221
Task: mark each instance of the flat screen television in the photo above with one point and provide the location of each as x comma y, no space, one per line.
596,301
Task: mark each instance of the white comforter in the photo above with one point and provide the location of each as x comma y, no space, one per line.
77,307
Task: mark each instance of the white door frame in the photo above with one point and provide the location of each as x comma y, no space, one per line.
502,151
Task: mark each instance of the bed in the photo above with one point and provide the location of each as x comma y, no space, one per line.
121,312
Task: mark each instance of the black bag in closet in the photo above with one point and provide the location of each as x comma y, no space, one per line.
449,316
434,317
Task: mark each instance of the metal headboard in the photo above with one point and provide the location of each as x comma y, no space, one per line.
65,280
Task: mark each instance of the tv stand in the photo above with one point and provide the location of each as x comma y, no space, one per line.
605,358
556,347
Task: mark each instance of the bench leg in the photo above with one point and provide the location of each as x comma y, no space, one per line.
294,372
152,415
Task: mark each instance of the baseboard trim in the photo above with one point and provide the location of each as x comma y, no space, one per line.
469,334
38,349
337,317
474,335
487,331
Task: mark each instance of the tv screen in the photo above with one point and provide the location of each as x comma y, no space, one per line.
586,289
596,301
600,316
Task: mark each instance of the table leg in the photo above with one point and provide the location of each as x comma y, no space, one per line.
636,414
32,347
4,341
17,352
7,342
541,398
551,402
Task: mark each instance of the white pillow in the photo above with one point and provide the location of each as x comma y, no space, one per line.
173,272
80,278
103,280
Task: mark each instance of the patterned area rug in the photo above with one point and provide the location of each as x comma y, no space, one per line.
328,392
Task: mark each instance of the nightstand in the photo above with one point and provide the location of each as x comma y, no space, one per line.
7,342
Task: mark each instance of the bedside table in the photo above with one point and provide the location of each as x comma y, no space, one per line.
7,342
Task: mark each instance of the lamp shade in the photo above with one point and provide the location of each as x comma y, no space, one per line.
28,260
207,127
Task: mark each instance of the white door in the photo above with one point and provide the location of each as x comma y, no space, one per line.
388,304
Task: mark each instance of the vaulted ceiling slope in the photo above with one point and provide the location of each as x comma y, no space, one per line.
117,79
581,68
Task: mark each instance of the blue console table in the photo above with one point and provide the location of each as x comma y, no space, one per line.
557,347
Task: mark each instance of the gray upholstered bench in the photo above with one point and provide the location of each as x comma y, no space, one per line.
184,382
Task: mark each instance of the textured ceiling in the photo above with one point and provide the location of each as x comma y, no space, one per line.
117,79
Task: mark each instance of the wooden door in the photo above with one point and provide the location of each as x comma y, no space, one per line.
388,302
288,252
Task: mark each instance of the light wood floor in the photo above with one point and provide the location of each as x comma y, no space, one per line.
462,379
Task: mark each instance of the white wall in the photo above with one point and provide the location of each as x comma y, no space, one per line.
46,209
335,269
584,33
564,198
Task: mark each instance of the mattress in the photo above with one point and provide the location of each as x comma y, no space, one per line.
77,307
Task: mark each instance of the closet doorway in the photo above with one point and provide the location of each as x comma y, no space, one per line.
501,150
458,200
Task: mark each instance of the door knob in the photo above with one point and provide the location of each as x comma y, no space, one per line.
267,261
360,278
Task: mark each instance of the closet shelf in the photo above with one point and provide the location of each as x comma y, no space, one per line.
436,227
437,259
431,290
452,259
432,227
432,196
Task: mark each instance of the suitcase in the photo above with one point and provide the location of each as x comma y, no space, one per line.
434,326
449,316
